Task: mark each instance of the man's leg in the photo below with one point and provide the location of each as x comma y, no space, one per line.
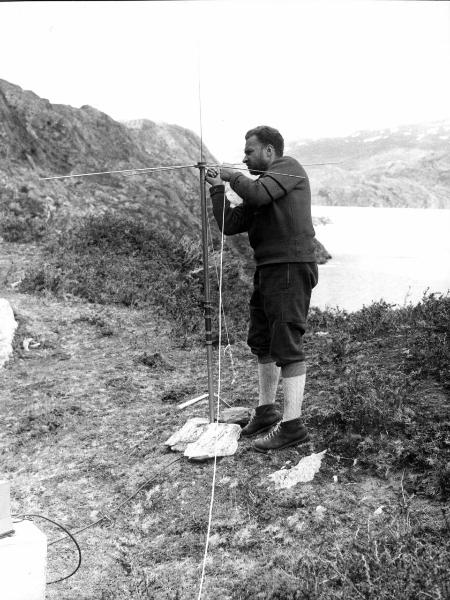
294,378
288,311
265,414
268,377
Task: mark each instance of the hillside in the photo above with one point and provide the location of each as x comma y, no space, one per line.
40,139
406,166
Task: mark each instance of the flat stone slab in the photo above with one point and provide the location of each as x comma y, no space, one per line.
218,439
190,432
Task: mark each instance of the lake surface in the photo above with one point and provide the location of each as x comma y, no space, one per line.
394,254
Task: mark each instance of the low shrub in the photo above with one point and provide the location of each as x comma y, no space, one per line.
24,214
379,377
428,352
373,401
118,260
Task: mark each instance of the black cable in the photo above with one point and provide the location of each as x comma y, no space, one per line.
106,517
28,516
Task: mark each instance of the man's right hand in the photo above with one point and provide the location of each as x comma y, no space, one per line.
212,176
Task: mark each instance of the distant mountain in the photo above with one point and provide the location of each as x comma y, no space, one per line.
407,166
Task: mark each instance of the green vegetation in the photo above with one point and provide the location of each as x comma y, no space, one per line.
372,371
111,259
381,378
24,214
377,399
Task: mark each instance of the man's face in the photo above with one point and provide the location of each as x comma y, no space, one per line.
255,157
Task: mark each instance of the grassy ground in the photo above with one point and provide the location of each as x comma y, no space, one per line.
85,416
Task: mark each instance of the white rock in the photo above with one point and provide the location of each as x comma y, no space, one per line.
8,326
190,432
320,511
30,343
303,472
218,439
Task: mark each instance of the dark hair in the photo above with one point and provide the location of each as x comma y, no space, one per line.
268,135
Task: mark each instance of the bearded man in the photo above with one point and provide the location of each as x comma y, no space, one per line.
276,213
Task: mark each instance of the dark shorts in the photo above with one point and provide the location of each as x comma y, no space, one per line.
278,309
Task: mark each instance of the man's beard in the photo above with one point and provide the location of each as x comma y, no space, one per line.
257,168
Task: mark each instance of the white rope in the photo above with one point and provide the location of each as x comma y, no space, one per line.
228,346
213,485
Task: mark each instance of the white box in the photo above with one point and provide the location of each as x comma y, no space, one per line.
6,525
23,563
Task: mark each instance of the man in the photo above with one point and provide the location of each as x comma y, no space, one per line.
276,213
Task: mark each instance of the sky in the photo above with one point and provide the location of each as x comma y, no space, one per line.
311,69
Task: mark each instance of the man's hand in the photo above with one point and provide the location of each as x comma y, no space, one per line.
226,173
216,176
212,176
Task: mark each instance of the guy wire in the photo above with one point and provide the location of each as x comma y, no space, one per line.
223,310
213,485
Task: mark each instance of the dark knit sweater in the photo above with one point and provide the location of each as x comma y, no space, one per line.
276,213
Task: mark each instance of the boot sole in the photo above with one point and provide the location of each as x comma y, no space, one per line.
287,445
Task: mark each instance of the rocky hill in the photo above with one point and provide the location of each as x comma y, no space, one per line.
406,166
39,139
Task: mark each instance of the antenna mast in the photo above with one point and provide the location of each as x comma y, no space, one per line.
207,307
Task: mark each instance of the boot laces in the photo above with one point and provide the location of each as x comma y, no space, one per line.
252,417
274,431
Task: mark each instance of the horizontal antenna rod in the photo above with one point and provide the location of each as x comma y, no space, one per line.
174,167
130,171
256,171
303,164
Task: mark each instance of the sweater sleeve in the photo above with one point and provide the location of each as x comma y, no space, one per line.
268,187
235,220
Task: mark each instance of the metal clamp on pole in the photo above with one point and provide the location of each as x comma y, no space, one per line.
207,293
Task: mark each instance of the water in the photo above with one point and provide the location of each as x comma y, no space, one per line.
395,254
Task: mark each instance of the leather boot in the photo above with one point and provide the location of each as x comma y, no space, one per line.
286,433
262,419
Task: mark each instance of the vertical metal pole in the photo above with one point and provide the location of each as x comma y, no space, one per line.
207,294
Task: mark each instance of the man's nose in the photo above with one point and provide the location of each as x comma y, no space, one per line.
244,160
